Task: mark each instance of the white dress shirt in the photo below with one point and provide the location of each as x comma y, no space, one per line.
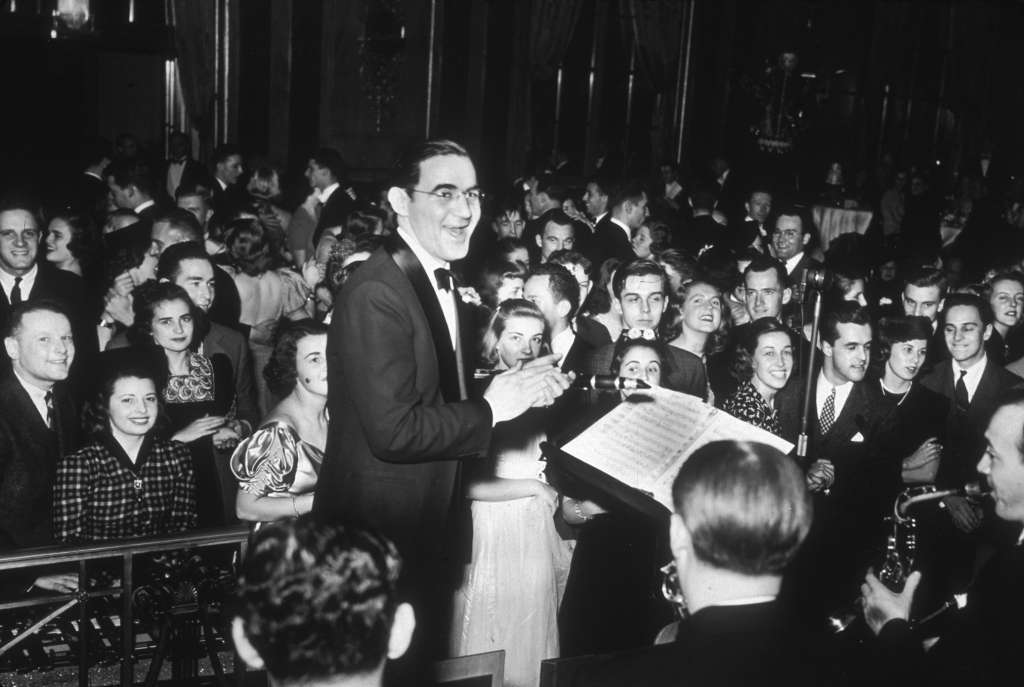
37,395
322,196
793,262
28,281
825,388
444,298
562,342
973,377
625,228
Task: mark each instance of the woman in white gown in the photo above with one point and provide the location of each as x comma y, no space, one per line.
509,595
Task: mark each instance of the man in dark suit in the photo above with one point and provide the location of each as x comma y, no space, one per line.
88,194
553,289
131,187
982,639
924,293
790,238
400,415
180,170
752,229
228,196
326,173
612,235
24,277
38,425
741,513
844,468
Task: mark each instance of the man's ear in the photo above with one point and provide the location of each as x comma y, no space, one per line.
988,333
11,346
539,240
825,346
399,200
807,239
787,295
402,628
563,308
617,307
244,647
679,538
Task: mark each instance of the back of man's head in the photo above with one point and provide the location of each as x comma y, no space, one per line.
632,191
317,601
332,160
183,222
561,284
126,173
745,505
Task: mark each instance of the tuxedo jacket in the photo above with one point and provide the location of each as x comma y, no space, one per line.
29,451
335,211
966,435
193,173
398,426
235,348
70,291
610,241
752,644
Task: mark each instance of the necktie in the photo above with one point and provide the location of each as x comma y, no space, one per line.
444,279
49,408
963,402
828,413
318,210
16,291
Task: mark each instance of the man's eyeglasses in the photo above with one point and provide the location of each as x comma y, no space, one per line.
451,195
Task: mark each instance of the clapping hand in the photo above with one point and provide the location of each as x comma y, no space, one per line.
533,385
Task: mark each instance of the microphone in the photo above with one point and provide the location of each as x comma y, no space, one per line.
609,383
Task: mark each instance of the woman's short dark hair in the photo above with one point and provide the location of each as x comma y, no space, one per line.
145,300
251,247
280,371
742,365
626,344
96,414
598,300
82,234
491,278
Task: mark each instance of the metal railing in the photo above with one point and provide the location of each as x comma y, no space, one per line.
126,550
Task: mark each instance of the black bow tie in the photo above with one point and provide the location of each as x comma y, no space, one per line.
445,279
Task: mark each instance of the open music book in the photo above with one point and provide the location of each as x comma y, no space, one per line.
644,440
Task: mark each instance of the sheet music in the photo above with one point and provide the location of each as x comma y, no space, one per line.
644,440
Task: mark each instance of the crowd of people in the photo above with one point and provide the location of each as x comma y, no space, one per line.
186,352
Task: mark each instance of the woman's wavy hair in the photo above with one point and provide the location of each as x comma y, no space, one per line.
281,371
251,248
514,307
672,321
742,365
145,300
83,234
96,413
625,344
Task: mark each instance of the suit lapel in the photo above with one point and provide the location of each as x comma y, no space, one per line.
849,420
447,365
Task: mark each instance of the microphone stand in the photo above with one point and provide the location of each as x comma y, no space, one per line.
805,419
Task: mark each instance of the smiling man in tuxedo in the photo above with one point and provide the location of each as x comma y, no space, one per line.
400,415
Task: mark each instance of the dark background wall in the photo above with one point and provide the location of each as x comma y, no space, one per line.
918,80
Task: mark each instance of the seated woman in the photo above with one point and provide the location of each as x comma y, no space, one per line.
277,466
199,392
509,597
763,366
127,482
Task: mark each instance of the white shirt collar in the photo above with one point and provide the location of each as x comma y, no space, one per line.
220,182
35,394
562,342
94,175
792,262
322,196
825,387
28,281
973,377
444,298
746,600
143,205
625,227
600,217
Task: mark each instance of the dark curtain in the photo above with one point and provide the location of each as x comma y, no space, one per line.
195,42
548,31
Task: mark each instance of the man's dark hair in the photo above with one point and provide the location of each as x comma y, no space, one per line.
968,300
170,260
19,311
561,284
189,190
632,190
764,263
406,171
556,189
703,199
225,150
745,505
127,173
94,150
566,258
847,312
605,184
557,216
792,211
332,160
925,277
317,600
638,268
182,220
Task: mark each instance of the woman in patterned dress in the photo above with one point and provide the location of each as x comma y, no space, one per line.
764,363
277,466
